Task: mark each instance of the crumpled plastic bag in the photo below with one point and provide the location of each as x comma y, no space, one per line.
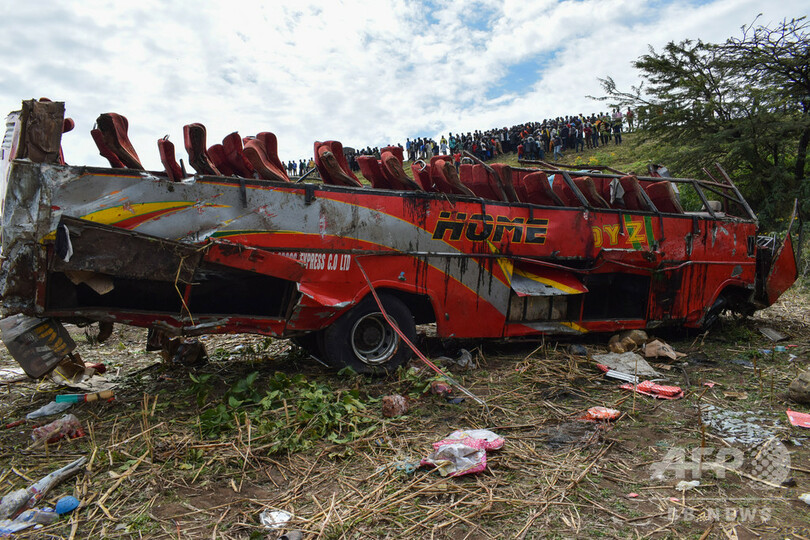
463,452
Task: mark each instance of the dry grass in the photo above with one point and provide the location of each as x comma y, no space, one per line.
152,474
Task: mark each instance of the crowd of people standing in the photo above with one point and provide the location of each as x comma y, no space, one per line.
531,140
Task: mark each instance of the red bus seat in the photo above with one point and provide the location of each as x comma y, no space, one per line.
422,176
633,199
167,157
481,182
371,169
114,129
537,190
664,198
256,153
235,155
391,165
505,173
194,136
445,178
105,150
332,164
396,150
271,149
220,160
586,185
565,194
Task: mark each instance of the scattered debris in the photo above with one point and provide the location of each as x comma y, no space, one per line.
183,351
799,419
66,427
464,360
657,348
629,340
14,503
441,388
600,413
735,395
73,372
394,405
66,505
629,362
292,535
735,426
772,334
84,398
658,391
685,485
463,452
612,373
577,350
274,519
28,518
632,495
710,384
744,363
54,407
569,434
799,389
12,375
38,345
805,498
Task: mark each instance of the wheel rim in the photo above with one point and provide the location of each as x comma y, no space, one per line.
373,340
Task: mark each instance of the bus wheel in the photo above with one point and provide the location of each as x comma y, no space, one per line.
363,340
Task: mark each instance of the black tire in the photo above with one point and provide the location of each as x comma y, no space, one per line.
363,340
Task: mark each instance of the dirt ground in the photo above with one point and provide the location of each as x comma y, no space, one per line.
201,452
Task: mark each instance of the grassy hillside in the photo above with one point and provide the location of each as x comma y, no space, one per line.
631,156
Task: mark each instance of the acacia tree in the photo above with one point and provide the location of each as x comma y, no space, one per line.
744,103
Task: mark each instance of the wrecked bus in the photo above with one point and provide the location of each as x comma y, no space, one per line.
484,252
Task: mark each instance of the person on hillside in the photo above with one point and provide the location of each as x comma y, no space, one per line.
617,131
630,116
604,132
587,133
457,160
579,142
558,145
564,131
545,139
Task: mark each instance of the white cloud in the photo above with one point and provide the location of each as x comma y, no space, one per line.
363,72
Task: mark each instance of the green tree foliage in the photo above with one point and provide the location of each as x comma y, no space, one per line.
744,103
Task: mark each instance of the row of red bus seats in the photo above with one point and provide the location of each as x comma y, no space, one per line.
258,157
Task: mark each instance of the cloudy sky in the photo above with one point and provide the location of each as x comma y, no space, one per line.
363,72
